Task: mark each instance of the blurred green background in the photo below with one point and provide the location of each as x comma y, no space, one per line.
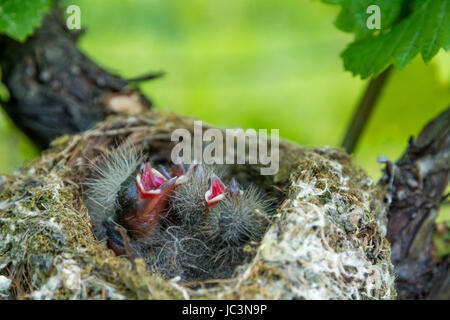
263,64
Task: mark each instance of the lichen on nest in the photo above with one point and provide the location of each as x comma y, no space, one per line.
326,240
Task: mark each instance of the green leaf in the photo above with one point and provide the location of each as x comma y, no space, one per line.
353,16
426,30
19,18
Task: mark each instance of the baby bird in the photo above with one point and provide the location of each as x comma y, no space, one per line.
228,215
238,217
188,201
185,223
120,194
224,218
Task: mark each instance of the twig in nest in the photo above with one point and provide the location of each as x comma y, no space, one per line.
325,242
208,281
115,132
283,191
284,204
259,213
128,249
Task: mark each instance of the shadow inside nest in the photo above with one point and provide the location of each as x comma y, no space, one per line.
177,232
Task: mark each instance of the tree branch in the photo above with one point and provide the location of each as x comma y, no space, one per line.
415,185
364,110
55,89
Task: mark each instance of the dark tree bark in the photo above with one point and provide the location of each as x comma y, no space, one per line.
55,89
415,186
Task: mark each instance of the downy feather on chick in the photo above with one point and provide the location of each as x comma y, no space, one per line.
187,223
114,172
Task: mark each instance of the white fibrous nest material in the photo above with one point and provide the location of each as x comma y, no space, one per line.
325,240
317,245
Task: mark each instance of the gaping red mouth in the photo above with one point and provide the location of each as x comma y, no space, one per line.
153,200
216,191
150,181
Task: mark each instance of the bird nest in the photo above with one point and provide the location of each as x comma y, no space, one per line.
325,239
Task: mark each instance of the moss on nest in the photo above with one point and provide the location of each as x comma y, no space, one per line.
326,241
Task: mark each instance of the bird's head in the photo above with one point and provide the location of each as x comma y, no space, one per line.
235,215
155,188
153,192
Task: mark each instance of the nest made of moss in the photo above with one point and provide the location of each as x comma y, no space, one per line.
325,241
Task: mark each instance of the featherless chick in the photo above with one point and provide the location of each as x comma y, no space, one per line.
185,223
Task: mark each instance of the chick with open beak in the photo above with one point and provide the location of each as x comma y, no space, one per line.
126,192
236,216
188,223
152,201
225,218
188,202
216,191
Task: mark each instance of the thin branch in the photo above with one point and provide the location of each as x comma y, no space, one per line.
147,77
365,108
